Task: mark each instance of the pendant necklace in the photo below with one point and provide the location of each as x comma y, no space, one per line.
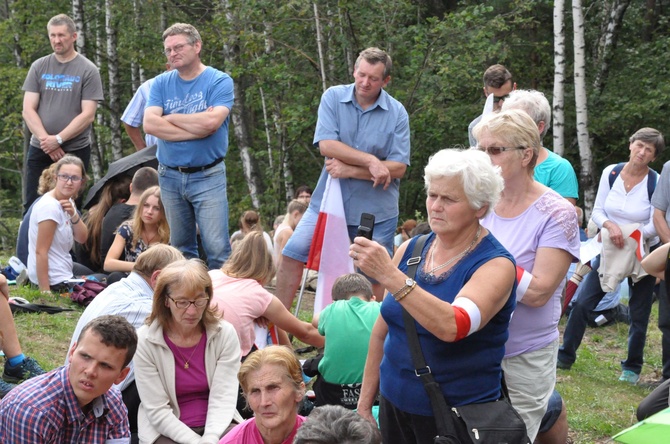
149,239
186,361
455,258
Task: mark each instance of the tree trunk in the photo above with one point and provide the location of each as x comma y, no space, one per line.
238,116
608,41
97,154
113,71
651,19
585,154
344,27
243,138
559,77
80,23
266,125
319,44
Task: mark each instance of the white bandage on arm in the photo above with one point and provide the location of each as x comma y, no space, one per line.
472,311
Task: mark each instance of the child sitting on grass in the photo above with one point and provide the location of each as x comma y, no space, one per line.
347,324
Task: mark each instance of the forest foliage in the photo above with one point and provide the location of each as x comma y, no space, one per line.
440,50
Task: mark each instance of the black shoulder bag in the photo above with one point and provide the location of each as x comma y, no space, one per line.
493,422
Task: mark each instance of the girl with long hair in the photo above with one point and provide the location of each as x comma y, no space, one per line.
148,226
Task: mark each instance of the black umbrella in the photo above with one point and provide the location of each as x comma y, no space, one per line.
126,165
20,305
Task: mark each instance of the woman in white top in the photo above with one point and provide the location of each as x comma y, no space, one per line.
622,198
54,226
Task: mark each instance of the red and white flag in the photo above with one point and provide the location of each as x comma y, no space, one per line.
329,252
639,250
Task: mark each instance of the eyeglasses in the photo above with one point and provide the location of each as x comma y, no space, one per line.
495,150
65,178
177,49
183,304
497,99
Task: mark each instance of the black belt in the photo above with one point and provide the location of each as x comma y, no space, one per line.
190,170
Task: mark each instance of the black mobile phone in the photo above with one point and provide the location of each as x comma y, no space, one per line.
366,226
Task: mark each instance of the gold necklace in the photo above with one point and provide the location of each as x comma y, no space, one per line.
186,361
458,256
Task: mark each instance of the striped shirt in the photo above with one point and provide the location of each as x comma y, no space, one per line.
44,409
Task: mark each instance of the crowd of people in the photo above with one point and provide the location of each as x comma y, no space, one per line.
170,352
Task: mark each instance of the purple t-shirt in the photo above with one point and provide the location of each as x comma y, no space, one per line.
191,383
550,222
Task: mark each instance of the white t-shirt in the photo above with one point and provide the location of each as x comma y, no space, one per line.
60,261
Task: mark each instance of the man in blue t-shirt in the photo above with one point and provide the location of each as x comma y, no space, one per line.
188,112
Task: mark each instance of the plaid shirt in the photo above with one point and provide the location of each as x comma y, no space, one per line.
44,409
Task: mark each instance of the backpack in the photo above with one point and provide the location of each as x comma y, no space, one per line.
652,177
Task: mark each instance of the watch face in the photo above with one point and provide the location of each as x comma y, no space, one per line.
409,282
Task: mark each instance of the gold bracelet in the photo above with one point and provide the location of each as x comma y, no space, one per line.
409,283
407,291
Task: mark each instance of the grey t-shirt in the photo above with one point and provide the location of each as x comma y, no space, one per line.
62,87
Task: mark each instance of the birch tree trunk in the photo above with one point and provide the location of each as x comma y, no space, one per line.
238,115
266,125
585,154
243,138
608,41
135,66
78,17
559,78
113,87
80,22
319,44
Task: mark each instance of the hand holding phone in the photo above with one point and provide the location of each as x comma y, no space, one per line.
367,226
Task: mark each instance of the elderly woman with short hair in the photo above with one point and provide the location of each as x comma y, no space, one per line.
460,298
622,199
272,383
186,361
334,424
539,228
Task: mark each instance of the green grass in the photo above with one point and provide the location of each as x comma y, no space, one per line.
598,404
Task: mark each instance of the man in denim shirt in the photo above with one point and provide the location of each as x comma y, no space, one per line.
363,133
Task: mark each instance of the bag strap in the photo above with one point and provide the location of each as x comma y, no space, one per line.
441,409
652,177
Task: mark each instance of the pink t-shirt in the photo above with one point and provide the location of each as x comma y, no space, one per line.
242,301
248,433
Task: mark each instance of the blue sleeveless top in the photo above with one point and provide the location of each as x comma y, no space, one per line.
468,370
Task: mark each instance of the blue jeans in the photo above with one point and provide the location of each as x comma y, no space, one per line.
639,309
197,198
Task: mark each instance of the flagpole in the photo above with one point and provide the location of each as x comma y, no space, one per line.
305,271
